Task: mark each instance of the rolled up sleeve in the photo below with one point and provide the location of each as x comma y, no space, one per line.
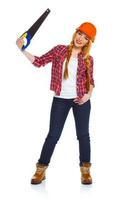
92,82
45,58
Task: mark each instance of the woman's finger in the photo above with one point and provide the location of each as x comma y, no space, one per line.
76,102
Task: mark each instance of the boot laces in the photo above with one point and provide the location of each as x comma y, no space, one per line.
39,170
86,170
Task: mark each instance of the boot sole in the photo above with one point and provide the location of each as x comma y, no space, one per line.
37,182
86,183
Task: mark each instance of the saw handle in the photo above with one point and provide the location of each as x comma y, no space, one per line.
26,36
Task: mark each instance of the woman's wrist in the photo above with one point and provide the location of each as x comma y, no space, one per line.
89,94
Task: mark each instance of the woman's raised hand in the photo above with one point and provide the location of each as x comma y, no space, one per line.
20,43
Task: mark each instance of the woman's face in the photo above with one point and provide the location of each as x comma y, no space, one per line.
80,39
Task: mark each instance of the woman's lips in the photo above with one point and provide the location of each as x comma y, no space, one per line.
78,42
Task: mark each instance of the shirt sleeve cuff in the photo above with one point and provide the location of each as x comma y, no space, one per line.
36,61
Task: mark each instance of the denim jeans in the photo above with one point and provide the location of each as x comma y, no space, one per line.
59,112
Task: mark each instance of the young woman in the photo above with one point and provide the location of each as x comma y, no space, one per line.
72,82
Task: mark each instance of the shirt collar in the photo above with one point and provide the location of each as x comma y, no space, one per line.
80,54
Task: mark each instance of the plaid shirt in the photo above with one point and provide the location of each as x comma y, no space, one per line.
57,56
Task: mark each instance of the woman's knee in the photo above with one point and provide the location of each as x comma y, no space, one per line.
84,136
52,138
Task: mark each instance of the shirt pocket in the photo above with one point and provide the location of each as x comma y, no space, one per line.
57,59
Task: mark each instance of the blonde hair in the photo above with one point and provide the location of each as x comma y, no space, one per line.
86,56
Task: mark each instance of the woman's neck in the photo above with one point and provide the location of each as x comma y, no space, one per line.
75,51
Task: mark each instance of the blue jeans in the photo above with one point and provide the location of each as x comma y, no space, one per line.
59,112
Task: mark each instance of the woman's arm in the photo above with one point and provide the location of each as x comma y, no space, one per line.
19,43
91,71
92,83
29,56
90,90
38,61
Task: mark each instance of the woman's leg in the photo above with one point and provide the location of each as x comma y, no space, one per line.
81,115
59,111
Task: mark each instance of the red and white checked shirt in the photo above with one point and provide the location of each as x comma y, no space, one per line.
57,55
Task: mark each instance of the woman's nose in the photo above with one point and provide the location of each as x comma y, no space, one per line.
80,38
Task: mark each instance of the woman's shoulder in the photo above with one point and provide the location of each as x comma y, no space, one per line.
61,46
91,58
60,49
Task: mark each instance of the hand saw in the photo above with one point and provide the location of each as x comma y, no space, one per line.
28,35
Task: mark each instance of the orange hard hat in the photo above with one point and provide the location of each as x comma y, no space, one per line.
89,29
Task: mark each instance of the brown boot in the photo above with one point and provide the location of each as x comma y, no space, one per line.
39,175
85,173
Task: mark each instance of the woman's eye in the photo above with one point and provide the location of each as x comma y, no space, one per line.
79,33
86,38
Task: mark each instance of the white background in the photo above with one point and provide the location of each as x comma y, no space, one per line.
25,102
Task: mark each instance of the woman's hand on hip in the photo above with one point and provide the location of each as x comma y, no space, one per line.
82,100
